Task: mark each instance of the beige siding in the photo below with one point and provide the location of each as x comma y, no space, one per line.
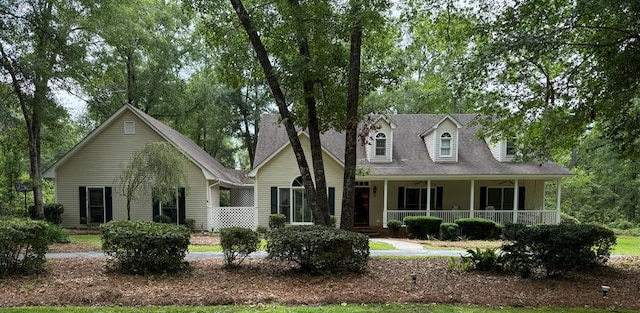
447,126
282,169
99,163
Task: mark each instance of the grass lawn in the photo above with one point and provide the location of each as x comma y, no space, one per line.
95,240
627,245
408,308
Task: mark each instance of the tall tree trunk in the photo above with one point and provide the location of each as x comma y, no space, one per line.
351,130
278,95
131,99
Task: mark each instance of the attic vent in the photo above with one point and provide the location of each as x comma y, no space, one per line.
129,127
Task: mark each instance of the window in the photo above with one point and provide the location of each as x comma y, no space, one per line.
170,209
511,147
416,198
292,202
381,144
500,198
445,144
96,205
129,127
174,208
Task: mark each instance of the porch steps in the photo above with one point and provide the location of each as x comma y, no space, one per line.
370,231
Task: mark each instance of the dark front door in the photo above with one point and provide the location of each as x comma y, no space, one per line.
361,209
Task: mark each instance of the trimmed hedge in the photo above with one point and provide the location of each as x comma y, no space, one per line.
277,221
145,247
449,231
52,213
237,243
478,228
394,227
422,227
319,249
557,249
23,245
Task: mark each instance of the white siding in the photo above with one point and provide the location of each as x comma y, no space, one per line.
282,169
447,126
431,145
100,162
494,147
386,129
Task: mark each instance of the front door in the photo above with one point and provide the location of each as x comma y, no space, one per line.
361,208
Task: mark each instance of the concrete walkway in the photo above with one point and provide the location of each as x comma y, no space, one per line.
399,244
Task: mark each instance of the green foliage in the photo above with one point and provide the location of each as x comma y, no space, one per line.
145,247
422,227
484,260
394,227
23,245
557,249
237,243
478,228
58,234
52,212
277,221
449,231
319,249
190,223
262,231
465,265
162,219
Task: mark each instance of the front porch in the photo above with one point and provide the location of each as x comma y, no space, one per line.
527,217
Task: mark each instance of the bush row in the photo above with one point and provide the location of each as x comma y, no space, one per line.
424,227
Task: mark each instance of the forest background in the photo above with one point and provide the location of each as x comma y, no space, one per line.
562,77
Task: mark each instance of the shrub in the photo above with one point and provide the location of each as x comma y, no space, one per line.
557,249
237,243
23,245
262,231
568,219
484,260
52,213
478,228
190,223
277,221
449,231
162,219
319,249
57,234
394,227
145,247
422,227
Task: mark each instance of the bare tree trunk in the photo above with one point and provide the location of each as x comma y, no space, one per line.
351,130
278,95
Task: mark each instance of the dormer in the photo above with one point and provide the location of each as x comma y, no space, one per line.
379,147
502,150
441,140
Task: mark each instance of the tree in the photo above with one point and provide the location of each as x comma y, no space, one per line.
40,43
158,168
550,70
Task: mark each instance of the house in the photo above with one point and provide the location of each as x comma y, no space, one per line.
86,177
411,165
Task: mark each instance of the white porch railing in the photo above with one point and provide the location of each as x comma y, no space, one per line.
223,217
528,217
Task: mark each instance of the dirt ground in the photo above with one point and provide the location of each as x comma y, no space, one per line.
83,282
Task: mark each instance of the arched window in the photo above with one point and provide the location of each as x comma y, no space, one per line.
301,212
445,144
381,144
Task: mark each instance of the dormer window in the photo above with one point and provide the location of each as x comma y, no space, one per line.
445,144
381,144
511,147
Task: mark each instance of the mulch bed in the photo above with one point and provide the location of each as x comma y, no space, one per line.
83,282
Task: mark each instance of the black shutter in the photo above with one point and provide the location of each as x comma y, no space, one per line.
483,198
332,201
439,193
520,197
181,207
274,200
155,206
400,198
82,190
108,204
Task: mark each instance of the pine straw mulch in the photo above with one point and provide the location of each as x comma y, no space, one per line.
83,282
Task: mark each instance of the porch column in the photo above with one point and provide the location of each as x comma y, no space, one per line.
472,197
515,202
429,197
384,211
558,192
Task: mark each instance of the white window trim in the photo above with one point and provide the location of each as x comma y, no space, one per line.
449,138
433,198
380,136
177,207
501,198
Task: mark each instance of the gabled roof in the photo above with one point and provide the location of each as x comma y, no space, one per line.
410,157
437,124
211,168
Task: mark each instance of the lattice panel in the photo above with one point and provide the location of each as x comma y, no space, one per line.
241,197
223,217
